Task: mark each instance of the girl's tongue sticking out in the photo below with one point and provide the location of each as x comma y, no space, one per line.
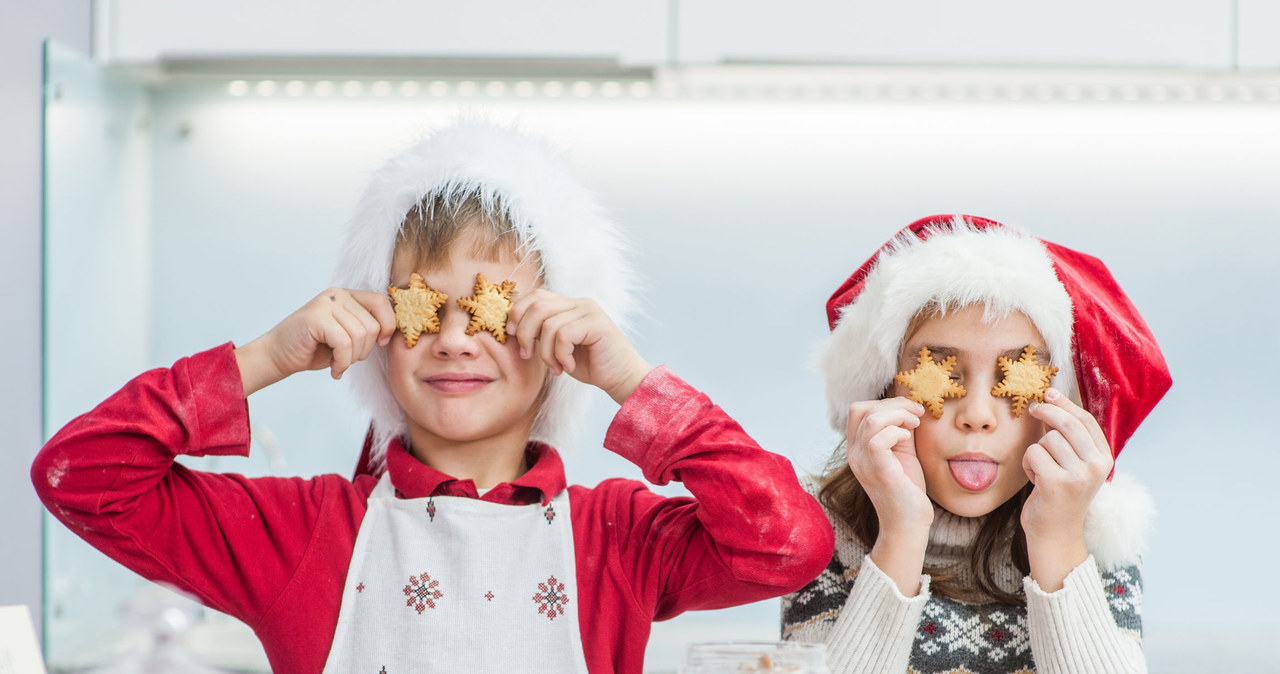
974,474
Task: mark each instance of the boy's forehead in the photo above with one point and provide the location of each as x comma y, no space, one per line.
462,257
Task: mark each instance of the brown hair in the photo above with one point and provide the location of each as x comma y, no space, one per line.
433,226
845,498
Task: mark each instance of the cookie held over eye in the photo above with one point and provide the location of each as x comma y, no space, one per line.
931,381
489,307
1025,379
416,307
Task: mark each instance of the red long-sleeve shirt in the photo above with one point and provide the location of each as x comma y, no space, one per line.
274,552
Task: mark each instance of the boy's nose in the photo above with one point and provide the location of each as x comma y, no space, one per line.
453,340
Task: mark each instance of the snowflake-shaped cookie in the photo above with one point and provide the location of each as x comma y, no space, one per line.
931,381
416,308
1025,379
488,307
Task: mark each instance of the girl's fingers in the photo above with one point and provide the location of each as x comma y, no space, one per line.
1061,451
1038,464
1076,423
879,449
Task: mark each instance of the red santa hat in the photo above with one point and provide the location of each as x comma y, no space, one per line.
1106,356
555,216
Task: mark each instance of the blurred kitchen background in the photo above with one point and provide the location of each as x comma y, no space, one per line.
199,162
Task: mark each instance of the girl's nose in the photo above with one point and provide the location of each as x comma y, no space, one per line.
978,410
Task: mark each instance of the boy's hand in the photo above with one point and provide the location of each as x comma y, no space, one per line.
881,451
575,336
1067,466
337,328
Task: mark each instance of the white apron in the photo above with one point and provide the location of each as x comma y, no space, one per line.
455,584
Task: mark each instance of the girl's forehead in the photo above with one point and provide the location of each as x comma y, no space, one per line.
967,330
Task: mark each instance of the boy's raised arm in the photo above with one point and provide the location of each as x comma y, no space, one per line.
110,476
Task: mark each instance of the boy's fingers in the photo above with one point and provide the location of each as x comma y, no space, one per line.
382,311
340,343
551,329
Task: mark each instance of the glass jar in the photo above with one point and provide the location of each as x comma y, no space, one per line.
745,657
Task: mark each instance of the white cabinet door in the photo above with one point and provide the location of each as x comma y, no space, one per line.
1259,34
633,32
1192,33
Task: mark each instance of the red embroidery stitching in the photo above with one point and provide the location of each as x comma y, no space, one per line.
998,635
1119,589
550,514
489,595
431,510
422,592
360,587
931,628
551,598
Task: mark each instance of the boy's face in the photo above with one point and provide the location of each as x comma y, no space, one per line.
972,456
457,389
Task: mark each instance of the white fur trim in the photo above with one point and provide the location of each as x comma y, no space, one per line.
582,252
1001,267
1119,521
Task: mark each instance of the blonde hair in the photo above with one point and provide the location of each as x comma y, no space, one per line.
432,227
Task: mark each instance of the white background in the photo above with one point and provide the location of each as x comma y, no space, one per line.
762,203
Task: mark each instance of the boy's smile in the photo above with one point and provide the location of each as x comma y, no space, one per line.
466,395
972,456
458,382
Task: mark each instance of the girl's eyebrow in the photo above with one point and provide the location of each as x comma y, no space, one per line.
940,352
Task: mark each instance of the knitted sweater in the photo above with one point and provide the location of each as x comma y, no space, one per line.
1092,625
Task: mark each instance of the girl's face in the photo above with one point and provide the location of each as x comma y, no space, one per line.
972,456
456,388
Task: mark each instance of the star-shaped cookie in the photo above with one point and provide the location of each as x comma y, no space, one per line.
1025,379
931,381
416,308
488,307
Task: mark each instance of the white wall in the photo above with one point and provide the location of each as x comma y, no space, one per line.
23,27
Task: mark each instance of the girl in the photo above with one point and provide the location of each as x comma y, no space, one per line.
978,531
459,547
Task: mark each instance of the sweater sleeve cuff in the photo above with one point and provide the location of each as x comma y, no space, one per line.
646,426
210,383
1072,629
876,628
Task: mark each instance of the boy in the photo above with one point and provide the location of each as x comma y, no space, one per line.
458,547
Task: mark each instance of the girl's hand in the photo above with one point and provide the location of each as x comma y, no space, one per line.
575,336
337,328
881,451
1067,466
